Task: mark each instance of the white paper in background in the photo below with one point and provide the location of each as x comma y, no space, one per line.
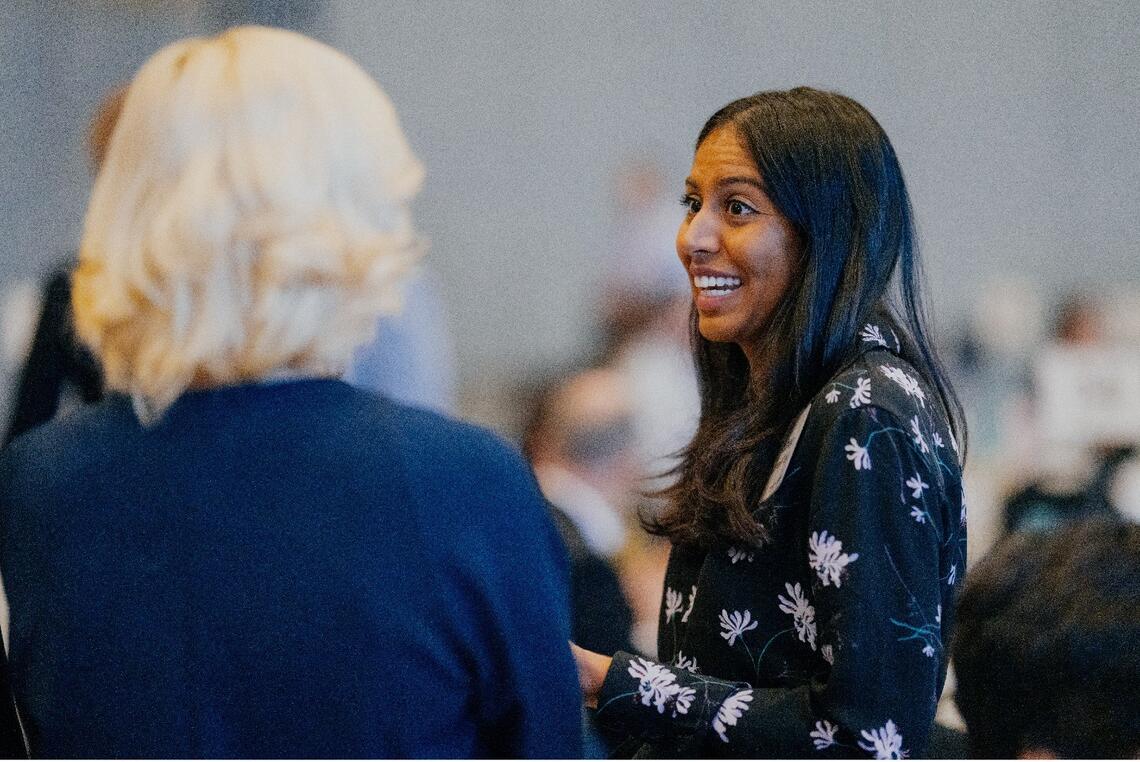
1089,395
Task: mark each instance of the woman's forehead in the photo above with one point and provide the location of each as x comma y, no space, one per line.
722,158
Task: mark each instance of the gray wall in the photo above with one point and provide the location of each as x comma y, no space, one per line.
1017,125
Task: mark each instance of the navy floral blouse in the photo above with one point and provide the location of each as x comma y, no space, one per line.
832,639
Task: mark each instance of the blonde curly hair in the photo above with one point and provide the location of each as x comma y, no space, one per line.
250,220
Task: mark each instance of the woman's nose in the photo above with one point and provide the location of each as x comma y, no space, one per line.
698,235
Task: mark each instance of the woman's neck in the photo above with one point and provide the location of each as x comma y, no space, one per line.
759,366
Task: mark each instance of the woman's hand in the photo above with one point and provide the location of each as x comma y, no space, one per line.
592,669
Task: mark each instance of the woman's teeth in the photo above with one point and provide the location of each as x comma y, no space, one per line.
716,286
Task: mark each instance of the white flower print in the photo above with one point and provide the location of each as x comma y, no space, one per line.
684,700
738,554
919,439
938,616
928,650
824,734
730,711
736,625
953,575
937,438
833,396
656,683
885,742
803,613
692,600
918,514
673,602
862,393
917,485
826,556
906,382
685,662
828,654
962,515
871,333
858,455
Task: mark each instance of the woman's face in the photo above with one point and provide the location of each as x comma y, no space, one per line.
740,253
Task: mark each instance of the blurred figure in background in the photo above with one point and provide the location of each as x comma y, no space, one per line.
236,554
645,308
411,358
60,373
1047,651
579,442
1085,422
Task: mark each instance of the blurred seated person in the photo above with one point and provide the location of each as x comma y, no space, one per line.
1047,652
579,443
1086,421
237,554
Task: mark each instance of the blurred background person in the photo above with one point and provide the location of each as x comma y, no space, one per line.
237,554
59,372
1082,423
645,323
1047,651
580,443
411,357
579,439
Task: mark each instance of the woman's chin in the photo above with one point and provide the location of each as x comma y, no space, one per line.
717,330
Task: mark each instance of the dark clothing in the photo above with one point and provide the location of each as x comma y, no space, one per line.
11,737
831,639
283,570
58,366
600,616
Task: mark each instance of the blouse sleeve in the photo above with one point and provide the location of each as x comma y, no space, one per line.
873,550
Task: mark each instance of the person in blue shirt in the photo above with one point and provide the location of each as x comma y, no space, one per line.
237,554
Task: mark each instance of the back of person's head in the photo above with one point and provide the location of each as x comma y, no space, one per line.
250,218
1047,651
581,422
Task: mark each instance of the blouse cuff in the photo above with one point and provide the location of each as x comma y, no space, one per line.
653,701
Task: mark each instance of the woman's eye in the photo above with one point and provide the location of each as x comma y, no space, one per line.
691,204
737,207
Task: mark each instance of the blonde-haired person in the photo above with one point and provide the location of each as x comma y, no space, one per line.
238,554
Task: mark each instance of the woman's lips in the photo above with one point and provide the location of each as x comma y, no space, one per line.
713,291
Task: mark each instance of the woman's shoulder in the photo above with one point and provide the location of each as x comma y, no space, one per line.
878,380
880,389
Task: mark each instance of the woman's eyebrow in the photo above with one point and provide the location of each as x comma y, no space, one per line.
741,180
731,180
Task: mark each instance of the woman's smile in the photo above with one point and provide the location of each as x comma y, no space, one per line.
713,291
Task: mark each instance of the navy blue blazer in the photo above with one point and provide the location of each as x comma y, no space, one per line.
299,569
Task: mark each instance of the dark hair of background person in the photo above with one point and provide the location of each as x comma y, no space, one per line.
1047,651
830,169
57,361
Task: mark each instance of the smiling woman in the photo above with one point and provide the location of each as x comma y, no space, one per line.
816,517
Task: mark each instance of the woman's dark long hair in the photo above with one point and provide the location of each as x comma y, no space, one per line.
831,171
